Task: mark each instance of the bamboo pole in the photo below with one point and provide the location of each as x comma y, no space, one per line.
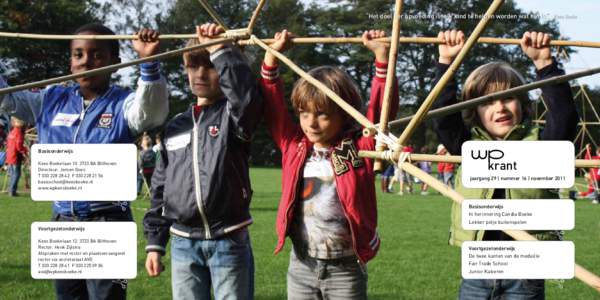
581,273
110,68
587,277
389,82
589,101
213,14
437,89
362,120
297,40
254,17
579,124
455,159
450,109
579,153
589,134
545,106
90,36
583,134
431,40
580,133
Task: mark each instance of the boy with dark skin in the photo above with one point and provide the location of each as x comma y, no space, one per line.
94,112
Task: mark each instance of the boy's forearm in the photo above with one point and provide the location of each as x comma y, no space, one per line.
270,59
24,105
381,56
562,117
240,89
542,63
156,229
450,129
156,226
148,107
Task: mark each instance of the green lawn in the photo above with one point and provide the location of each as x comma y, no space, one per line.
414,261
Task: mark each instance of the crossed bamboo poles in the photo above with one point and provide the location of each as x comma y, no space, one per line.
243,36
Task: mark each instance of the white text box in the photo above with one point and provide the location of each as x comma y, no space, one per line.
77,172
518,260
79,250
518,164
526,214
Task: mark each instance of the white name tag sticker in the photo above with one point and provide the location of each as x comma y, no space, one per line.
178,141
83,250
551,214
518,164
518,260
83,172
63,119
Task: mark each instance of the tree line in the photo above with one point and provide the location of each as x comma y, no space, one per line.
30,60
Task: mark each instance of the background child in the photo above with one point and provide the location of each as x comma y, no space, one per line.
502,119
328,203
591,177
402,177
426,167
15,154
201,186
386,177
146,161
441,150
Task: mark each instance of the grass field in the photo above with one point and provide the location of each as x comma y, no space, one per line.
414,261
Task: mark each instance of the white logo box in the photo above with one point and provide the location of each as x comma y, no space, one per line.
80,250
83,172
518,164
518,260
518,214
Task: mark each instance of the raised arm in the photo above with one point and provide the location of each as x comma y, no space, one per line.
148,107
450,129
380,51
25,105
279,122
236,81
561,118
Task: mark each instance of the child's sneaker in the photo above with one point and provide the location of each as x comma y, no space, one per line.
595,202
424,193
400,193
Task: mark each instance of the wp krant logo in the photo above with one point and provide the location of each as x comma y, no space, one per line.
493,155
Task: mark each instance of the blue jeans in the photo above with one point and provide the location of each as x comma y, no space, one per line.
226,264
505,289
449,179
14,172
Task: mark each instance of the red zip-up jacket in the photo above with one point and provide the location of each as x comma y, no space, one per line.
354,176
15,150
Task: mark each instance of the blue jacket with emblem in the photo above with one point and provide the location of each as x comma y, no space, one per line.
115,117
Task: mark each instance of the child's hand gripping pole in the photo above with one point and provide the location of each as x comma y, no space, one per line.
362,120
379,48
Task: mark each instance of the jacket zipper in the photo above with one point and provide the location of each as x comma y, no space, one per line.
196,171
295,189
81,115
